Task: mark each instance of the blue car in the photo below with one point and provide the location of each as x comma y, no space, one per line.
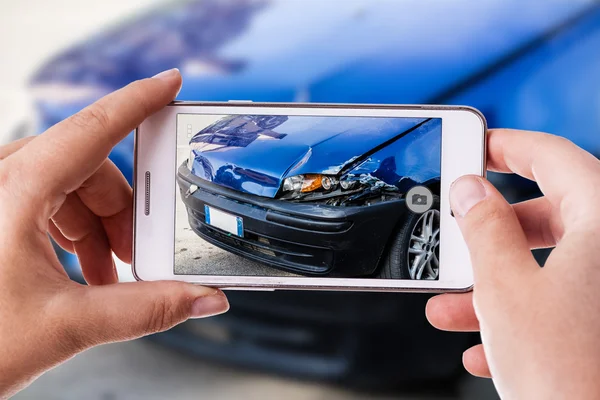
320,195
525,64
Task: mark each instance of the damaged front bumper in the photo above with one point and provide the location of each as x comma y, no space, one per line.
305,238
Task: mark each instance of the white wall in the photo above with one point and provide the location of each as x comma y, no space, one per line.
31,31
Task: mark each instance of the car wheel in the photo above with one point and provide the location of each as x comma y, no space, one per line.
414,248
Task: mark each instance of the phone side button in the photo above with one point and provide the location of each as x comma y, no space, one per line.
249,289
239,101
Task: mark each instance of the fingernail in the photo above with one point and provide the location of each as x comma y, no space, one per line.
465,193
210,305
168,74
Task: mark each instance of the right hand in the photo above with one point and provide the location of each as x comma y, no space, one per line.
539,326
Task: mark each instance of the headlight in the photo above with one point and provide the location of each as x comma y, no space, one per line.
303,183
293,184
347,184
316,184
309,183
329,183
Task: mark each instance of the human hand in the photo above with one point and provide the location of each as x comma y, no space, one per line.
539,326
62,183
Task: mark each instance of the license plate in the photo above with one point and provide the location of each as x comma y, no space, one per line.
224,221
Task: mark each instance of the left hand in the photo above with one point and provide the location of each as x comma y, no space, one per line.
62,184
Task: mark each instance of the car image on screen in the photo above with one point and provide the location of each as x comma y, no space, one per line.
318,196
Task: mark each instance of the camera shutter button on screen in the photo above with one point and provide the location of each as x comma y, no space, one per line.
419,199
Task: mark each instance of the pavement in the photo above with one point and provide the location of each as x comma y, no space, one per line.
145,371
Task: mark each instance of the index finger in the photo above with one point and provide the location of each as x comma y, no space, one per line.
567,175
12,147
72,150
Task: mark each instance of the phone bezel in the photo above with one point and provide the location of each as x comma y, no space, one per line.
463,152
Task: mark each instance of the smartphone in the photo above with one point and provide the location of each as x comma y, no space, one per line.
265,196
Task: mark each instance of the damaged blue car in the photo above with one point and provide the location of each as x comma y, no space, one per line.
319,195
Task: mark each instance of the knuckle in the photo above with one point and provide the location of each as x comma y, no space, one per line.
165,314
94,116
12,189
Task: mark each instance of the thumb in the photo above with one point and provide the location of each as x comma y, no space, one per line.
499,251
124,311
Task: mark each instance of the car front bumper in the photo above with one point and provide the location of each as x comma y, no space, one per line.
304,238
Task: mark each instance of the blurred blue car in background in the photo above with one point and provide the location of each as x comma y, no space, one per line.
528,65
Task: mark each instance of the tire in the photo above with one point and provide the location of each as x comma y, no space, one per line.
396,263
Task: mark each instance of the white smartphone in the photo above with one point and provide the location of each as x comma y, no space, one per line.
271,196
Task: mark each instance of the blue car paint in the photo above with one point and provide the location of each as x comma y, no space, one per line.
242,153
553,88
497,56
189,33
370,56
414,158
383,52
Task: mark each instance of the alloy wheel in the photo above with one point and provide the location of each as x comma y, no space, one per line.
423,247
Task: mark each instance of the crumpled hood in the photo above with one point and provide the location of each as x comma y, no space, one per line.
254,154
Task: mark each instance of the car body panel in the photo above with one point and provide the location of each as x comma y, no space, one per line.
253,156
415,158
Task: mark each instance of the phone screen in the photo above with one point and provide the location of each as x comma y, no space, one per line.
308,196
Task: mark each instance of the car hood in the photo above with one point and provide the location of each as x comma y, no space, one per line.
253,154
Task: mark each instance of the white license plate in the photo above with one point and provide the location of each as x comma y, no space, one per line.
224,221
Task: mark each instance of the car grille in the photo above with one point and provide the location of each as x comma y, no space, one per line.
275,252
